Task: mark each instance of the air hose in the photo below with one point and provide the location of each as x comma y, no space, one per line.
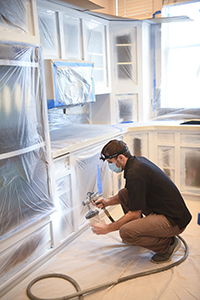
79,293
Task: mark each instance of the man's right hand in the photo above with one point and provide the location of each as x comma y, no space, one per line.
100,203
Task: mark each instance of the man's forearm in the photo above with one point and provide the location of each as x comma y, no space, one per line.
112,200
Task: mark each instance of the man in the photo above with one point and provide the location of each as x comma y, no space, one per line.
154,210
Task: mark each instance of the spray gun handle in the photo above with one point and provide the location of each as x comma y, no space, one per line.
106,212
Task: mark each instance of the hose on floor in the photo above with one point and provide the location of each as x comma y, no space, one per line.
79,293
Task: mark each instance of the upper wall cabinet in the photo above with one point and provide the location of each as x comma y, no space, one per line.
124,48
96,50
71,35
60,31
18,21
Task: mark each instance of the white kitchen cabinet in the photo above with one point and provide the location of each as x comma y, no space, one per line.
72,47
18,21
96,49
174,148
63,217
130,69
26,198
49,34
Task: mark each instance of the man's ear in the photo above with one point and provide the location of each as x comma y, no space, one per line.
121,158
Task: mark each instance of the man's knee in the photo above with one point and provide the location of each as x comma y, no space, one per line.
127,234
122,233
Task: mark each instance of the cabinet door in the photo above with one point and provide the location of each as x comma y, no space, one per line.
166,160
18,21
138,143
125,56
48,31
95,46
63,197
72,37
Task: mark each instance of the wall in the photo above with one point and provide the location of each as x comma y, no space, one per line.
110,6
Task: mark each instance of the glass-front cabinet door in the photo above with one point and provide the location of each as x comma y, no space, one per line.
95,50
72,43
125,56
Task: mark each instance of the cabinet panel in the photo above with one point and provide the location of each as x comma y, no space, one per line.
18,21
138,144
166,160
48,29
127,108
190,169
25,251
125,56
63,197
190,138
85,167
72,37
166,138
95,49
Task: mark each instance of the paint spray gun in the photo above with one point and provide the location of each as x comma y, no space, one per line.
93,215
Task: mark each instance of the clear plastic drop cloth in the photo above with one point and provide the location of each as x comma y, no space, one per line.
24,164
180,115
92,260
70,135
63,199
58,118
47,21
86,164
26,250
72,32
14,14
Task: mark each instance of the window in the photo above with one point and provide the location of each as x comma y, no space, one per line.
137,9
180,58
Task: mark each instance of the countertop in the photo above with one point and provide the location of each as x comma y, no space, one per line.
69,138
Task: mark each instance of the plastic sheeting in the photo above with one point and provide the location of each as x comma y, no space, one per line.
73,82
47,21
62,139
68,116
178,115
166,159
93,260
63,197
24,163
14,13
85,165
127,107
95,50
126,56
24,252
72,32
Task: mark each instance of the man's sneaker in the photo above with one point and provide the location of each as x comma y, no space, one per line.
164,257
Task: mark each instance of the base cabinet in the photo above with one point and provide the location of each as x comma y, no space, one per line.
175,151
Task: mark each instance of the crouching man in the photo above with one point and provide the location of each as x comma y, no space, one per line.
154,210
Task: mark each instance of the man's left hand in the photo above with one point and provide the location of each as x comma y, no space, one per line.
101,228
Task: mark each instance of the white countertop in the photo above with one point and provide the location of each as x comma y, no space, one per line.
70,138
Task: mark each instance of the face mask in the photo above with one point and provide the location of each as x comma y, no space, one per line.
114,168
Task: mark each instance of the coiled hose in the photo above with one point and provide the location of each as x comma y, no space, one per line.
79,293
